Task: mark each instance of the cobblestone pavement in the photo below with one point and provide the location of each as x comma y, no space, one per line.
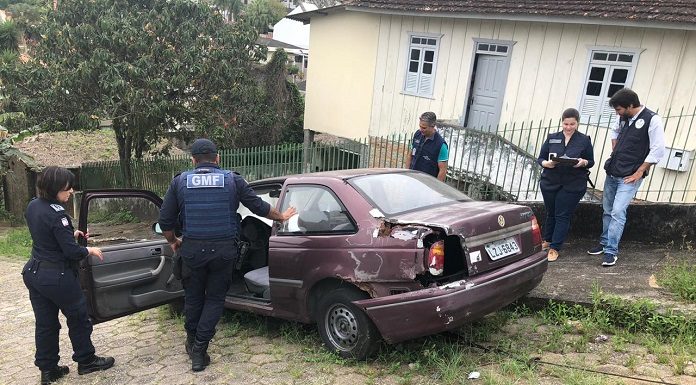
149,350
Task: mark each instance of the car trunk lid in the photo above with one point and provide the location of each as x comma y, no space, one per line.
486,235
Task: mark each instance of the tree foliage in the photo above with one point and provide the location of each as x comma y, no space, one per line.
9,36
263,14
232,8
28,14
149,66
280,113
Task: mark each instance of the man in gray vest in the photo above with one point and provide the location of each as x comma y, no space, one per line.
638,142
203,202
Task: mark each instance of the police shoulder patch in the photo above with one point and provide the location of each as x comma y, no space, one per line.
205,180
57,207
65,221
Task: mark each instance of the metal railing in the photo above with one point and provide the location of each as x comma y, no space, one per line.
485,165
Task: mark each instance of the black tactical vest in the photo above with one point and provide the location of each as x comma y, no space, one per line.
426,153
632,147
208,196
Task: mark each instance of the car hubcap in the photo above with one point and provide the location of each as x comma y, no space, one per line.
341,327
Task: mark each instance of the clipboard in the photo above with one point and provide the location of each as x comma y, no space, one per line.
565,160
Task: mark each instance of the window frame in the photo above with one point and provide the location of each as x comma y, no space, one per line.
284,200
417,91
603,114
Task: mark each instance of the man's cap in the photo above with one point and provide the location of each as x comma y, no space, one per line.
203,146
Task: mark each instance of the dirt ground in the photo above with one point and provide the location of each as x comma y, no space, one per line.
72,148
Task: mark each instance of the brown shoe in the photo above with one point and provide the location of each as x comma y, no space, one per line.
553,255
545,245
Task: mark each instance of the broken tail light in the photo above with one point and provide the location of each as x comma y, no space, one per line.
436,258
536,232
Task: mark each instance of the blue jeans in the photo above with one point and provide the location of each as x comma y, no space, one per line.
616,198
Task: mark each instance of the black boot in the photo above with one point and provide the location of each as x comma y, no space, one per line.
94,364
199,356
190,338
54,374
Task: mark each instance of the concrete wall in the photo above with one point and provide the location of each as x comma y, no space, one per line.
651,222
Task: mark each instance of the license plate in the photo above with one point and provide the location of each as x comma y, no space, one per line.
502,248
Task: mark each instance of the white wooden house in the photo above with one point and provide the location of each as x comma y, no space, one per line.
489,64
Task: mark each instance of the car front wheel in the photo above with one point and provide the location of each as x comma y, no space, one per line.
344,328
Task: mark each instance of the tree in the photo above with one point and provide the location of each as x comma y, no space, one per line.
9,36
232,8
263,14
27,14
149,66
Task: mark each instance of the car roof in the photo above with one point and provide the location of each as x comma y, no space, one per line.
335,174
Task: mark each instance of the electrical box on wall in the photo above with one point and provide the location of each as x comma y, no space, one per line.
676,159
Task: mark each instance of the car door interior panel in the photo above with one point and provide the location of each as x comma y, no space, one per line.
137,270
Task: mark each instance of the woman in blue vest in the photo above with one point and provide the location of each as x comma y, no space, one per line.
566,157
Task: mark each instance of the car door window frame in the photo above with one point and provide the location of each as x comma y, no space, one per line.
285,202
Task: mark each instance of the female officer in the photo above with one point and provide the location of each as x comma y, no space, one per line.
52,279
563,181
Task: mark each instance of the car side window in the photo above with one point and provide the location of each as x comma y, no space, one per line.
318,211
268,194
118,220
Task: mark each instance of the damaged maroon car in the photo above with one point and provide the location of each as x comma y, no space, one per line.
372,254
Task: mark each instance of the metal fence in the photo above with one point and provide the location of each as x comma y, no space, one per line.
487,166
671,180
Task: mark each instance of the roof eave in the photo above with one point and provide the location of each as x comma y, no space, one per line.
305,17
531,18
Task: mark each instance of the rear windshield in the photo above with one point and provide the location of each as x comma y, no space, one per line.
396,193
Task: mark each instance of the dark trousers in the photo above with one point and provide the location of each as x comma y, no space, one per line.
205,290
560,205
50,290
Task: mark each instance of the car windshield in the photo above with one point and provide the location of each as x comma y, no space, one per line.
395,193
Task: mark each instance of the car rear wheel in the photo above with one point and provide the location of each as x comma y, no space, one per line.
344,328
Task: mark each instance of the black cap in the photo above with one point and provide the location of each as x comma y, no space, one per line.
203,146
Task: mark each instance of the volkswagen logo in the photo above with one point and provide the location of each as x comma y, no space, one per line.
501,221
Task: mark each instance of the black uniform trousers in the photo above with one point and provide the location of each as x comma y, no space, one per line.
205,290
51,289
560,205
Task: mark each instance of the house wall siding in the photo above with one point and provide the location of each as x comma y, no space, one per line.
341,74
547,72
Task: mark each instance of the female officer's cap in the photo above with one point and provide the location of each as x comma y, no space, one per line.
203,146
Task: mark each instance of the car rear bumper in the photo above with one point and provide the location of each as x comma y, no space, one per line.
424,312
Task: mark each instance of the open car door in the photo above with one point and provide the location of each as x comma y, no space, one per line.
136,273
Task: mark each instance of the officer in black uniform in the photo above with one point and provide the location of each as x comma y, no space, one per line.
52,279
563,184
204,203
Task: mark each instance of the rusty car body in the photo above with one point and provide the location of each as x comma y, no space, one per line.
372,254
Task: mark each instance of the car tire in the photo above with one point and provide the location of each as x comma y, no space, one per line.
345,328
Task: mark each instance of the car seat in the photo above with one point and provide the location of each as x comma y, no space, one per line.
255,233
257,282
